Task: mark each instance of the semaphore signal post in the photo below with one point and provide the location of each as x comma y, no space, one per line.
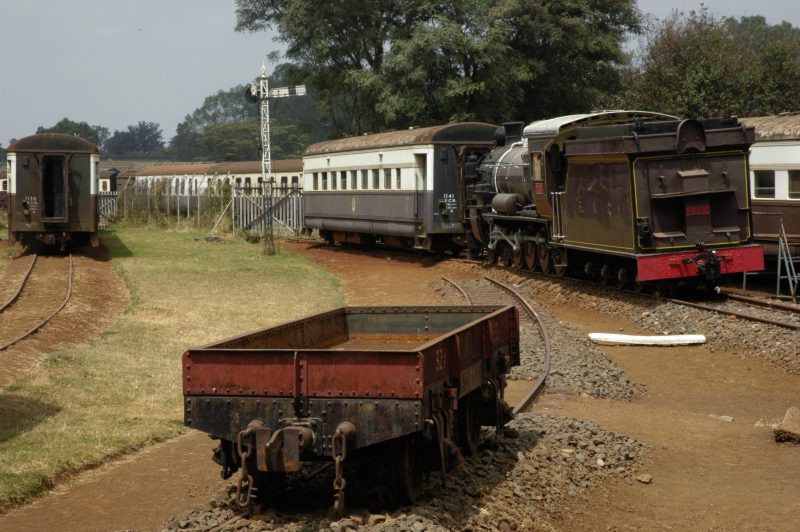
259,92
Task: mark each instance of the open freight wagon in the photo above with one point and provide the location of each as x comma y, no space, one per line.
411,385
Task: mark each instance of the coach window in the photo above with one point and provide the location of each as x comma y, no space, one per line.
376,179
324,180
295,181
315,184
765,183
353,179
343,175
364,180
387,178
398,182
334,179
794,184
284,181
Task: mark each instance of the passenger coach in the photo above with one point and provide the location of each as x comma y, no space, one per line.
775,181
403,188
52,189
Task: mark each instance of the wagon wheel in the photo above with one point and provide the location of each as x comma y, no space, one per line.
269,486
622,278
517,258
529,250
469,430
545,260
605,274
405,476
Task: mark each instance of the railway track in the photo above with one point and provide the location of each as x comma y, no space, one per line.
742,307
498,293
30,306
751,309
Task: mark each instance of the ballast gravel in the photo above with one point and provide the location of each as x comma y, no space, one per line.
516,481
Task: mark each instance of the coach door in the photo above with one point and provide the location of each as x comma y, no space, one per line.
420,183
55,192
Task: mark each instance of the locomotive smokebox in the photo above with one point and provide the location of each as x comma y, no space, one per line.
508,133
508,203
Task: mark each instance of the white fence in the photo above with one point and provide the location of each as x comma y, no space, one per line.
251,210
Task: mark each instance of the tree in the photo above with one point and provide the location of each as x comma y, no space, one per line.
3,152
294,121
392,63
143,138
96,134
697,65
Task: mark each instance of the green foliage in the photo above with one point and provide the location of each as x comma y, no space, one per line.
96,134
237,141
226,126
393,63
144,138
697,65
3,152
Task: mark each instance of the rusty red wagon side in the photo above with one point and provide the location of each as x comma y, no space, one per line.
417,381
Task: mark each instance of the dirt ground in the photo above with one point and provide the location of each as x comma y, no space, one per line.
98,298
708,473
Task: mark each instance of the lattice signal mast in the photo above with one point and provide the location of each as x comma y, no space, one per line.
259,92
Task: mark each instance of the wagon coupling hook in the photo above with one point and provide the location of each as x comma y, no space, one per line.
344,431
244,488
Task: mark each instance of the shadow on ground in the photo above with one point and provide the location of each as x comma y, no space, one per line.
20,414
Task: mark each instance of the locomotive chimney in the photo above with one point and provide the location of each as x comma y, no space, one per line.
509,133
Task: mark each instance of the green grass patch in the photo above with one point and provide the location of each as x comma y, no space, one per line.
85,404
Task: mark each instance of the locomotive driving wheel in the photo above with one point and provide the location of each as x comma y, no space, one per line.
545,260
529,250
505,254
517,258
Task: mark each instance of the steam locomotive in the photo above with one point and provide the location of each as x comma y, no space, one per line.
624,197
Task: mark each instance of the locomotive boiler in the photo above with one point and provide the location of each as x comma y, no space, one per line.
52,196
626,197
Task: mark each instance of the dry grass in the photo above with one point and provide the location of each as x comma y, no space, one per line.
123,390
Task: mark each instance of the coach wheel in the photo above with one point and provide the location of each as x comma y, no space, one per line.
469,430
529,250
405,476
588,269
622,278
517,258
605,274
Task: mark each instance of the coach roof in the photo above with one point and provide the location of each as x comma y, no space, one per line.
785,126
52,142
464,132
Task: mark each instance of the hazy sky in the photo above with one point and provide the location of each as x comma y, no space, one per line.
115,62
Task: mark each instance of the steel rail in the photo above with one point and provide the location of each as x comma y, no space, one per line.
48,318
539,385
749,317
21,285
765,303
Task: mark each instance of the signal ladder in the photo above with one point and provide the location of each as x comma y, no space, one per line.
786,266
